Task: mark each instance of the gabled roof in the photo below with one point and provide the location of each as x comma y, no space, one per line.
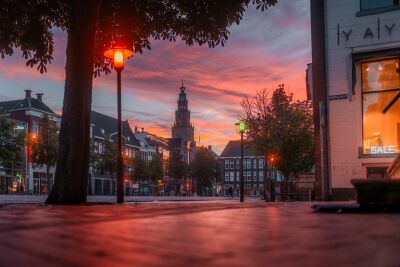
104,125
26,103
232,149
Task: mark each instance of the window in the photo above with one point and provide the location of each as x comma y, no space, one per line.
226,164
260,163
232,164
35,127
237,163
381,106
261,176
237,176
226,176
248,163
248,176
255,176
232,176
375,4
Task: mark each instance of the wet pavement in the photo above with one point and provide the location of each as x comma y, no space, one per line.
214,233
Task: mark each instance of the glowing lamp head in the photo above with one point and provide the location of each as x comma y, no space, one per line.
118,55
242,126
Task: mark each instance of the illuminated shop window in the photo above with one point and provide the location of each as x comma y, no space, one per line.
381,106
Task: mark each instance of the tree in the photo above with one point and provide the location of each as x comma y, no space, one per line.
203,169
140,169
11,141
94,26
177,168
281,127
156,169
45,146
107,159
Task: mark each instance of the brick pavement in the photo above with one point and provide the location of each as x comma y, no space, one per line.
216,233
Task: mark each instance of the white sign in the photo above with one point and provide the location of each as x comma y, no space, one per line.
382,149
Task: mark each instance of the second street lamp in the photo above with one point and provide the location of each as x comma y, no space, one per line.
242,128
118,55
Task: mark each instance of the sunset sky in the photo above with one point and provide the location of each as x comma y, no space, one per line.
265,50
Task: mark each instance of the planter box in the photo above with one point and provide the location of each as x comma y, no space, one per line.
377,193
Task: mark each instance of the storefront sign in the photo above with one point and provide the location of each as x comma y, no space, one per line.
382,149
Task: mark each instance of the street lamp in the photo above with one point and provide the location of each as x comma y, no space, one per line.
242,128
117,55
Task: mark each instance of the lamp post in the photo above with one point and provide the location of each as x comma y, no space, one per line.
242,129
118,54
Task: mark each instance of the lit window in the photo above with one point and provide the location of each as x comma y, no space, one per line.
381,107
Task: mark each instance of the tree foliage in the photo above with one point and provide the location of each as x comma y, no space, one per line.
140,168
203,169
45,146
281,127
156,168
177,168
11,141
107,159
28,25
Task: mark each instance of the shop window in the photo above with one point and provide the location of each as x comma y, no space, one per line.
381,106
375,4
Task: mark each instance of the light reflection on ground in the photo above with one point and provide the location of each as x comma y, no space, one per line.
224,233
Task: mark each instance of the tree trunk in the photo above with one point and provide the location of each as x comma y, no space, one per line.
71,177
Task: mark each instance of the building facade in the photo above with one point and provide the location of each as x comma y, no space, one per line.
355,86
27,113
254,170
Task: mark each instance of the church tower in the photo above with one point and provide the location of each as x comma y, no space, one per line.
182,127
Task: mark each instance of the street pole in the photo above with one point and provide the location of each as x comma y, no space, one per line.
241,168
120,189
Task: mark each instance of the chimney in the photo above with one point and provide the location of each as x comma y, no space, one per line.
39,97
210,148
135,129
28,93
142,130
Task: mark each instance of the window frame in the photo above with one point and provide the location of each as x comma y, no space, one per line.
366,12
362,153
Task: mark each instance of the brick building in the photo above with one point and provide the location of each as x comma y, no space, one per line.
254,170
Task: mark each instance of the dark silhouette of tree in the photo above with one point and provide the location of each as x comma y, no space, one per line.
107,160
203,169
156,169
94,26
177,168
282,128
45,146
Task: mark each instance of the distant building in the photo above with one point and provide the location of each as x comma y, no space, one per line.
183,130
355,88
105,127
27,113
254,170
